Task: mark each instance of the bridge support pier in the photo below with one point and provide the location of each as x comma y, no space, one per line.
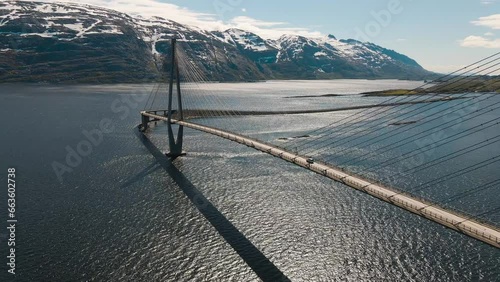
144,122
175,144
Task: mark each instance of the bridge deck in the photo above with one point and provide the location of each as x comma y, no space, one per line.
448,218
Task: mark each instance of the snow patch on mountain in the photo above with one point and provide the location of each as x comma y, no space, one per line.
102,30
320,54
55,9
244,39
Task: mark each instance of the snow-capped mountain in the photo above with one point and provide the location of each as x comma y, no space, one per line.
244,40
74,42
348,58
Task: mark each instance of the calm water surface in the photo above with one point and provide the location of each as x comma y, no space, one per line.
122,216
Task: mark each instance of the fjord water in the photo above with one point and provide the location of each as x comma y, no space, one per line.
121,216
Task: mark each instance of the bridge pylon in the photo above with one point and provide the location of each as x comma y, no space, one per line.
175,144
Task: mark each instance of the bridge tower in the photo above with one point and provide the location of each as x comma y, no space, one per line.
175,144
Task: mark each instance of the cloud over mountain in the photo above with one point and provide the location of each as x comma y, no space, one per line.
218,20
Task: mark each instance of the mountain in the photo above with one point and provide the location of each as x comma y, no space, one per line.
66,42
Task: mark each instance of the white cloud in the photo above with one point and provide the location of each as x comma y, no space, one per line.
207,21
479,41
149,8
488,40
492,21
272,30
488,2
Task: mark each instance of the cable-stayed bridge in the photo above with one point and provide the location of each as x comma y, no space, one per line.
439,117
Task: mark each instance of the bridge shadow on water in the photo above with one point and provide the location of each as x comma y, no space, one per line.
257,261
145,172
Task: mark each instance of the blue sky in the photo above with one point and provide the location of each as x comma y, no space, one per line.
442,35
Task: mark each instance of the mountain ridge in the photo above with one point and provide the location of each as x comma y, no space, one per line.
69,42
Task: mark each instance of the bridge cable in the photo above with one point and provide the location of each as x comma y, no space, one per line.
455,174
217,110
389,146
327,145
193,75
397,131
346,119
196,79
338,141
187,73
473,191
353,136
215,99
221,110
386,103
463,195
493,211
401,115
414,152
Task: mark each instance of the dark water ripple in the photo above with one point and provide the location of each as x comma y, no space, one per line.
120,217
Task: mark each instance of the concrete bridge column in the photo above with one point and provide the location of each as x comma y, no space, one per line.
145,122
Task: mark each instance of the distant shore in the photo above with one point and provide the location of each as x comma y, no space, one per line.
456,85
165,81
192,114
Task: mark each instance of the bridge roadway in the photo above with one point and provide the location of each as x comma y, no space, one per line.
448,218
